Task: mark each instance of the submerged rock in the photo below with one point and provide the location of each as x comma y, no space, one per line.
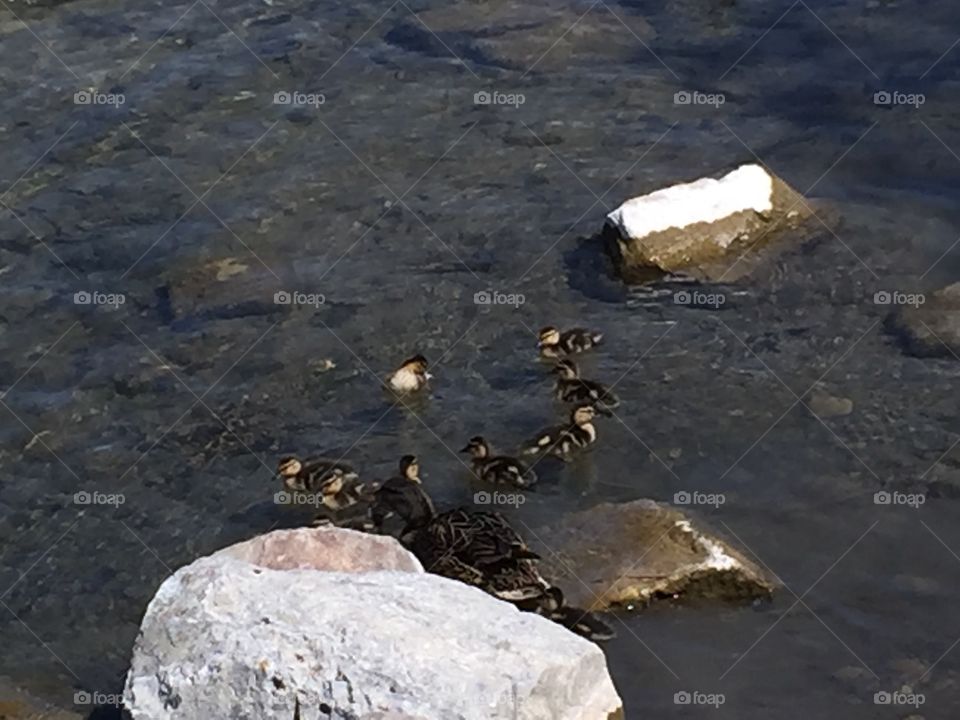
699,227
349,626
930,326
18,704
616,554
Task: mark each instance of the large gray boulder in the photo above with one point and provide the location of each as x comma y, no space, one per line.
254,629
701,228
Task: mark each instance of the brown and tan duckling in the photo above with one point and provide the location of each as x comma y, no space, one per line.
411,376
498,469
335,483
554,343
563,441
482,549
572,388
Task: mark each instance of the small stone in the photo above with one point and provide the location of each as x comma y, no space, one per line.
825,405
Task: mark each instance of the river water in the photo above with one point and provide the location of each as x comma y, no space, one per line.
147,225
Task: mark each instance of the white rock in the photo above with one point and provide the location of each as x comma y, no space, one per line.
241,635
749,187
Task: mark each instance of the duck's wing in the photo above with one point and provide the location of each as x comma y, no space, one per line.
515,581
508,470
544,440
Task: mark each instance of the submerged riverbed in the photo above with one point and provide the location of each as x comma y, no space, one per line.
147,227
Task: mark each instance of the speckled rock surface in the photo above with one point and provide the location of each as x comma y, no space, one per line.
229,637
614,554
930,328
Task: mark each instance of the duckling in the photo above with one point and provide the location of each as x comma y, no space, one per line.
583,622
554,343
399,499
411,376
498,469
570,387
335,483
562,440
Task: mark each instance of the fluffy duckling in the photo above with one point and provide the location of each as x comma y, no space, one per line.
570,387
498,469
554,344
563,440
411,376
583,622
336,483
400,498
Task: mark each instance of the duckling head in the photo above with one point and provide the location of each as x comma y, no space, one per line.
418,365
410,468
567,369
583,414
333,484
552,599
289,467
477,447
549,336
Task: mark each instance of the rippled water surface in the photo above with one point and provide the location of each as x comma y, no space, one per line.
397,199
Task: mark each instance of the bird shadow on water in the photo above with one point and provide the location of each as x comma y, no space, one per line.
591,271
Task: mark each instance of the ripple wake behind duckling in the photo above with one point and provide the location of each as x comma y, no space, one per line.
498,469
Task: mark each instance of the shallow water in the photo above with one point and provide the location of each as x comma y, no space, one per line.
398,199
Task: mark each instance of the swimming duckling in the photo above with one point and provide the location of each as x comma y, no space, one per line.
399,498
562,440
554,343
498,469
411,376
583,622
570,387
335,483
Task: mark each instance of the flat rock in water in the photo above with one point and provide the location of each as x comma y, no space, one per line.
252,630
700,228
17,704
615,554
930,328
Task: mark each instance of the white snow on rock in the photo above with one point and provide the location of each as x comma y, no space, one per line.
243,634
749,187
